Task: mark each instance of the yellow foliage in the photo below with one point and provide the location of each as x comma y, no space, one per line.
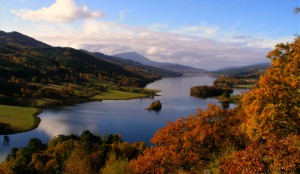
273,107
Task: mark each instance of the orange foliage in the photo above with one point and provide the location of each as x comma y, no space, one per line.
191,141
274,156
272,118
274,107
78,162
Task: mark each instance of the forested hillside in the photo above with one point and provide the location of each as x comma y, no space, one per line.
33,58
31,69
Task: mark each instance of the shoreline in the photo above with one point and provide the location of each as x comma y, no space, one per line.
6,128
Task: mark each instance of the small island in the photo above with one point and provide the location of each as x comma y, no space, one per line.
209,91
156,106
222,93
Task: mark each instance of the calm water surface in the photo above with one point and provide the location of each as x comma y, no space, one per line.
128,118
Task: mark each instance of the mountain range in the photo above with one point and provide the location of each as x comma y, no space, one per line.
163,65
26,58
134,66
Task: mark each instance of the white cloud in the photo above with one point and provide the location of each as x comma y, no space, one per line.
154,50
59,11
255,41
111,38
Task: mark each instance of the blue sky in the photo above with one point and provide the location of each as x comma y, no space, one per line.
205,34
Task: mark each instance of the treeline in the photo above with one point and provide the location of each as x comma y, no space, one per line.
209,91
87,153
20,92
231,81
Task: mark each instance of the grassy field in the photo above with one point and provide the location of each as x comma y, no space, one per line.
152,90
45,102
244,86
17,119
233,99
117,95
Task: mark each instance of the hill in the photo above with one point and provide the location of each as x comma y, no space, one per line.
32,71
253,70
18,39
167,66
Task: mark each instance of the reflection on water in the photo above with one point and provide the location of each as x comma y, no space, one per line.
53,126
128,118
6,140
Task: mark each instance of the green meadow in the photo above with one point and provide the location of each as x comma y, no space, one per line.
118,95
17,119
245,86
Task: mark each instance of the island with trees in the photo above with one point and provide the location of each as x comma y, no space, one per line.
156,106
209,91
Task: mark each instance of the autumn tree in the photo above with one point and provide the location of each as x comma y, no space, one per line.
191,142
272,118
272,156
78,162
115,165
274,106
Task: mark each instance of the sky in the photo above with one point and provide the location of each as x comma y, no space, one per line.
206,34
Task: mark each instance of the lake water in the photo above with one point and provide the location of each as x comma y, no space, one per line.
128,118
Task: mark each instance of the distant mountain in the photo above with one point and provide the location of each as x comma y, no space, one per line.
18,39
253,70
133,56
181,68
136,67
167,66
